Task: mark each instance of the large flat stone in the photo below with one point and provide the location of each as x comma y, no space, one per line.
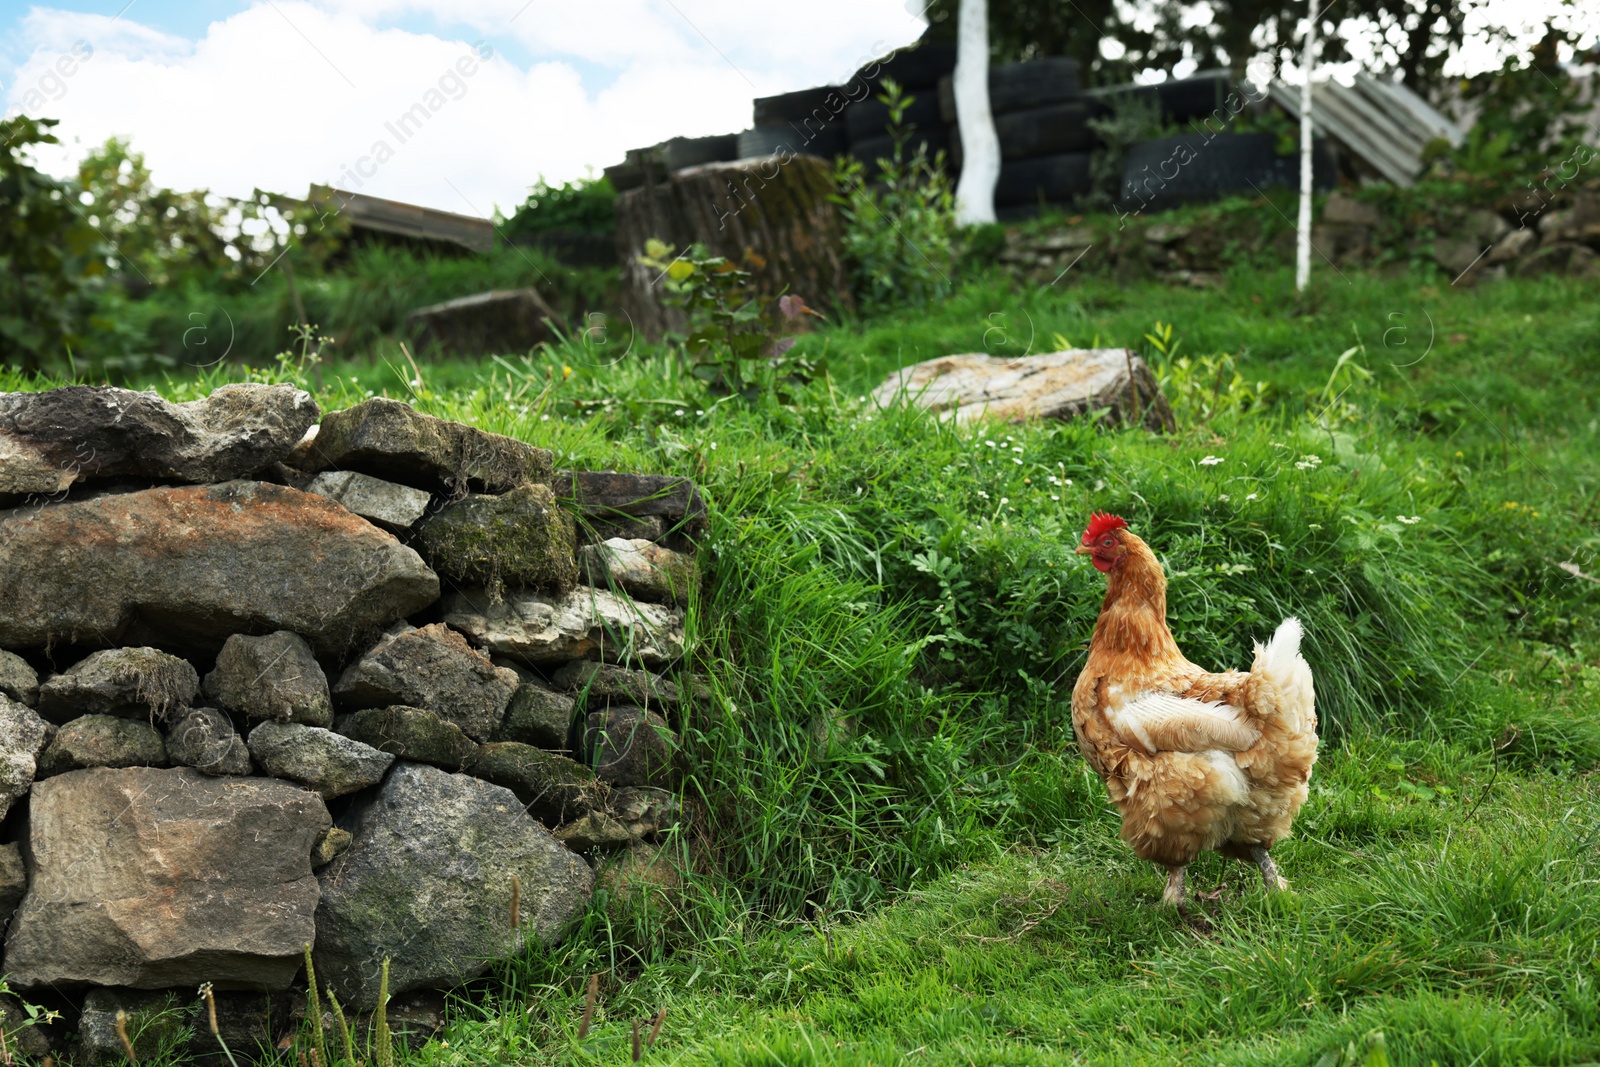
151,878
554,788
392,440
1057,385
520,539
184,567
586,623
414,734
427,883
434,668
50,440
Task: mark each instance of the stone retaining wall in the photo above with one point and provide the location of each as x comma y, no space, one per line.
381,683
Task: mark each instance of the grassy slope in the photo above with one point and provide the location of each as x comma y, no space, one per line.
907,590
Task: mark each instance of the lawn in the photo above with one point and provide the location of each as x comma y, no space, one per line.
897,853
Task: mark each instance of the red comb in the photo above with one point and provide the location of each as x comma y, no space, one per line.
1102,523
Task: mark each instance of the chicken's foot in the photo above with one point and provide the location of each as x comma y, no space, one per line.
1174,893
1269,870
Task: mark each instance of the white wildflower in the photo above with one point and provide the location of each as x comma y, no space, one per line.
1252,496
1004,501
1210,461
1223,496
1309,463
1412,521
1054,497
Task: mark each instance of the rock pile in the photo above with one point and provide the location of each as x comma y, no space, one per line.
380,684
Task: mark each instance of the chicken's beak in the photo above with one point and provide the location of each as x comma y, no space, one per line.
1083,550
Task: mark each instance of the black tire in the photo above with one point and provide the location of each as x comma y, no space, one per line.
1028,181
799,106
1183,100
768,140
1047,131
1020,86
1190,167
681,152
873,149
918,67
870,118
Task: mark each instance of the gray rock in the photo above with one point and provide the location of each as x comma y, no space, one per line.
394,507
392,440
148,879
554,788
319,759
187,566
647,812
587,623
1347,211
51,440
433,668
520,538
502,320
414,734
143,683
155,1023
428,884
1513,245
639,568
273,677
13,880
537,715
204,738
630,746
594,832
18,681
23,737
602,497
1559,257
102,741
330,846
600,685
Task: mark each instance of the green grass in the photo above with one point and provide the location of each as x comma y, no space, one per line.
898,851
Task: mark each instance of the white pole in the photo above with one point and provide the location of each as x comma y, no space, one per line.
980,145
1302,265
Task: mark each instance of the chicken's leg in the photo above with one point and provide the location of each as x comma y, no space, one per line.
1269,870
1174,893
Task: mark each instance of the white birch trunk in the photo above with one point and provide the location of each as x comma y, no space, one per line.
1302,264
980,145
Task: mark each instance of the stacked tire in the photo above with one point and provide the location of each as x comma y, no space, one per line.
656,162
918,71
1042,119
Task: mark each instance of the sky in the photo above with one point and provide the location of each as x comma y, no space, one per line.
234,95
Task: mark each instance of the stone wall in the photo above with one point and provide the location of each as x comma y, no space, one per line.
1528,233
383,684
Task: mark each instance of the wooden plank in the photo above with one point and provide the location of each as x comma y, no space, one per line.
407,220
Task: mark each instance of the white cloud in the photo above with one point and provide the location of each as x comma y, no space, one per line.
286,93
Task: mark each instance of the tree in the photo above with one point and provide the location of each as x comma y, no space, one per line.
50,255
1418,35
980,144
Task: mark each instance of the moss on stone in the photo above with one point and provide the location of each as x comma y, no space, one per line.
521,539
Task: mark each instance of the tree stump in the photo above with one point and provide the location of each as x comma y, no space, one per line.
771,215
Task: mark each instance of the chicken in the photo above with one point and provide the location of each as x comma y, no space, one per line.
1193,760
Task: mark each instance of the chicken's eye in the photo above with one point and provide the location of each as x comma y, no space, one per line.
1108,542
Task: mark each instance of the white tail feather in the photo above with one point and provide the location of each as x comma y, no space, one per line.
1281,664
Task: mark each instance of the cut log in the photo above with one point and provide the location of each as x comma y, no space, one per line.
509,321
1058,385
771,215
